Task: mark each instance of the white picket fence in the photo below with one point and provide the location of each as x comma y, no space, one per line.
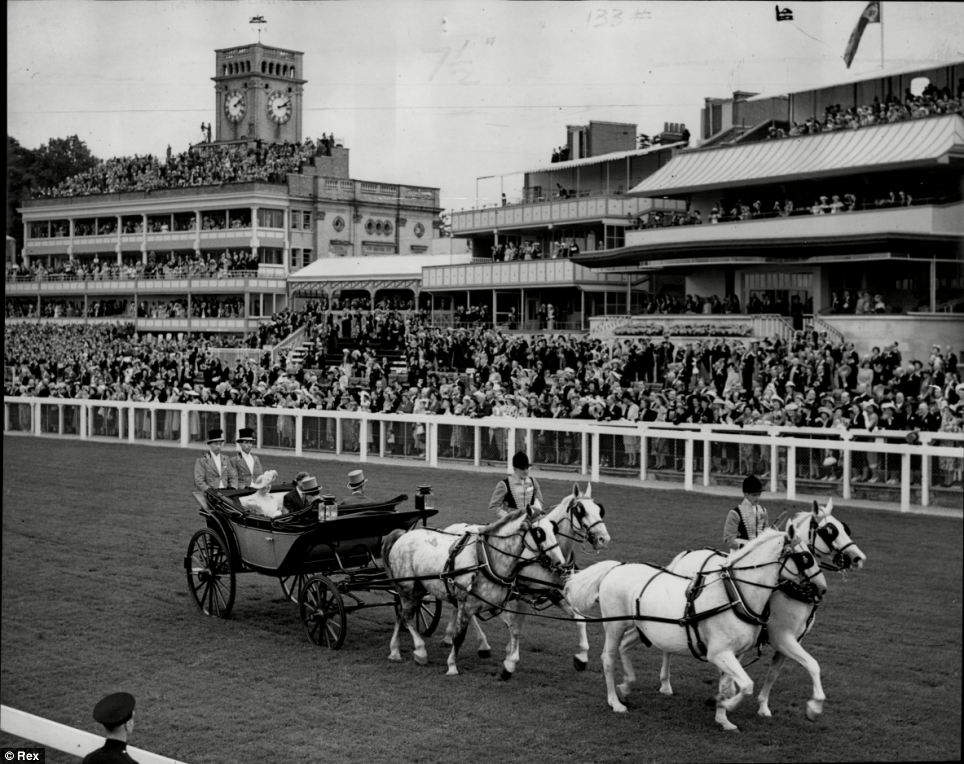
880,467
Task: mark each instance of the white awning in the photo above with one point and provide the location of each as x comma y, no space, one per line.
914,142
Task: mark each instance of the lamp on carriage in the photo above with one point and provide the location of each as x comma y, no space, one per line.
327,510
424,499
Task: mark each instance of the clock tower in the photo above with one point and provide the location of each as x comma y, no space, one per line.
258,94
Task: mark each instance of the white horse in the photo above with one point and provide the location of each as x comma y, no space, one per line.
715,617
578,518
792,611
474,568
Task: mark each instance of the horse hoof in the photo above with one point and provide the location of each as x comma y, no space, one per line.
730,727
619,708
395,657
765,713
485,653
452,672
814,710
421,660
579,665
505,675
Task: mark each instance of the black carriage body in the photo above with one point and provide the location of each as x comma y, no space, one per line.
301,545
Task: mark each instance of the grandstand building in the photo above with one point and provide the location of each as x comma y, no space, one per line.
839,208
208,240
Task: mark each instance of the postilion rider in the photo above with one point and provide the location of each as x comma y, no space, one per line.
746,520
518,490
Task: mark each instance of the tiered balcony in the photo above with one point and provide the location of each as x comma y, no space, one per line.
613,209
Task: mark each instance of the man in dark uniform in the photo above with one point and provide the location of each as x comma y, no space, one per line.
116,713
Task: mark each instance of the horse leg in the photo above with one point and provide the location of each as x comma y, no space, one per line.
730,665
627,641
513,622
484,650
581,659
614,633
665,687
407,610
786,646
461,626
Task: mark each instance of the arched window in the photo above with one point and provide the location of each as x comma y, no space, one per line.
264,66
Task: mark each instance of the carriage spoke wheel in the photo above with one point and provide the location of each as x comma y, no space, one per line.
427,614
209,575
323,612
291,586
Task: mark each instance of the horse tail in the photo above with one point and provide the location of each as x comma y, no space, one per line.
582,589
387,543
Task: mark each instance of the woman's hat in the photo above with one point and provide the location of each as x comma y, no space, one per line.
244,434
356,479
216,435
265,479
309,485
752,485
520,461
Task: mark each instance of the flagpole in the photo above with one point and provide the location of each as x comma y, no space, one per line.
880,15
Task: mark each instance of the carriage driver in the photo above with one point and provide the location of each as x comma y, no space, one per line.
518,490
748,518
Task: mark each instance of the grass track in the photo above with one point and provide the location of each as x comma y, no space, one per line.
94,599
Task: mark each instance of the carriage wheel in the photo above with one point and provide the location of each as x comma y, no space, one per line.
323,612
427,615
291,586
209,574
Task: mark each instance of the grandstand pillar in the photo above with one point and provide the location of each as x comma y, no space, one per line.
932,291
299,436
688,464
791,472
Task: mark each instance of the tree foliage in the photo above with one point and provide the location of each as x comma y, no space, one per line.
32,169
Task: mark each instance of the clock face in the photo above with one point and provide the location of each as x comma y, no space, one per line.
234,105
279,107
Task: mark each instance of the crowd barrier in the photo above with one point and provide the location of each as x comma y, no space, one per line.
879,466
60,737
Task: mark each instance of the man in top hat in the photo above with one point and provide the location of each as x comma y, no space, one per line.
116,713
357,497
246,466
517,491
748,518
213,469
306,492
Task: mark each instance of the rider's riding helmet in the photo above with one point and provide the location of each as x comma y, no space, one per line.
520,461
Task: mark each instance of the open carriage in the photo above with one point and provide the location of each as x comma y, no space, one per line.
320,565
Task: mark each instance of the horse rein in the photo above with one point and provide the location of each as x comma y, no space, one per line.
576,513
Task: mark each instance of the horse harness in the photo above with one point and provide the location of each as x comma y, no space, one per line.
735,601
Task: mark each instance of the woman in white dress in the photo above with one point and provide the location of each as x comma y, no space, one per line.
262,502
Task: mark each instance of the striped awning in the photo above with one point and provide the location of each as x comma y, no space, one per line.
868,149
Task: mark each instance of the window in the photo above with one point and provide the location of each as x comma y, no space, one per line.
306,221
271,218
271,255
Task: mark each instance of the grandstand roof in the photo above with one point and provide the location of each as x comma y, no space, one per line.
879,147
610,157
382,266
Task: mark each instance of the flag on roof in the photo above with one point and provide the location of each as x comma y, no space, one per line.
783,14
871,15
258,20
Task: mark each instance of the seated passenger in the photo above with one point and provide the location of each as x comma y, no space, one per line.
306,492
358,497
262,502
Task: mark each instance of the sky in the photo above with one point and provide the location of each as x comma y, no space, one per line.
437,92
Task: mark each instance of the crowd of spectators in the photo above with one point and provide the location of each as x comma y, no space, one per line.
225,264
206,164
932,101
807,382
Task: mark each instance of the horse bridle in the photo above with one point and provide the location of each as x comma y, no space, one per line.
577,514
828,533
